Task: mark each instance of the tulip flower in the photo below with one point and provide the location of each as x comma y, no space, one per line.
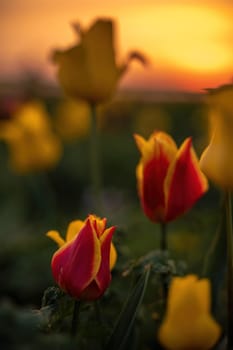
188,323
88,70
33,146
169,179
81,266
216,160
216,163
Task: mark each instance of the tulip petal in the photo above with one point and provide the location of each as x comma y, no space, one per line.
113,256
55,236
216,160
103,276
74,229
98,43
202,333
89,70
187,323
98,224
141,144
153,201
72,71
157,154
204,294
154,174
92,292
76,265
185,183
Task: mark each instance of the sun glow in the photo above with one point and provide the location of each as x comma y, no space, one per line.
188,43
188,37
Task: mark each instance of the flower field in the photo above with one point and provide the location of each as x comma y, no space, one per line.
115,210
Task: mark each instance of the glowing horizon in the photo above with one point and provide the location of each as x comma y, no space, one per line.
189,45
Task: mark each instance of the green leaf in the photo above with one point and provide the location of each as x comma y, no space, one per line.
128,314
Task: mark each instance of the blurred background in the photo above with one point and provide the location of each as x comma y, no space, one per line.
189,48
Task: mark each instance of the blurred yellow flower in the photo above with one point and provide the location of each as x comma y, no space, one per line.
216,160
88,70
32,144
73,119
188,323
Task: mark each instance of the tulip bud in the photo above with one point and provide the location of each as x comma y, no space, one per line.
81,266
188,323
216,160
169,179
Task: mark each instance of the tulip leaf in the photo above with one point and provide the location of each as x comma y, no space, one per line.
124,323
160,262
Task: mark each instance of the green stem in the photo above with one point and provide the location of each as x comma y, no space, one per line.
163,236
163,248
74,323
98,312
95,162
229,233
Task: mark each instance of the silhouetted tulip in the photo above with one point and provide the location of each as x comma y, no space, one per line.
88,70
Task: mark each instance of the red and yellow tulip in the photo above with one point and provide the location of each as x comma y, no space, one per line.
169,179
82,265
188,323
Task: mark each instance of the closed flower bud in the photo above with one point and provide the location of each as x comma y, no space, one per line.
169,179
188,323
216,160
82,265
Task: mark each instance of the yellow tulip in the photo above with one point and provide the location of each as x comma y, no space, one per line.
88,70
216,160
188,323
32,144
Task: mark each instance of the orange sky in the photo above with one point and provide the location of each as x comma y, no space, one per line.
189,43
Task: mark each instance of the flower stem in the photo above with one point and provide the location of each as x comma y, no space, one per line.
163,236
74,323
229,233
95,162
98,312
163,248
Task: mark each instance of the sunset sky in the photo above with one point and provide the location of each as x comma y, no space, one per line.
189,43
